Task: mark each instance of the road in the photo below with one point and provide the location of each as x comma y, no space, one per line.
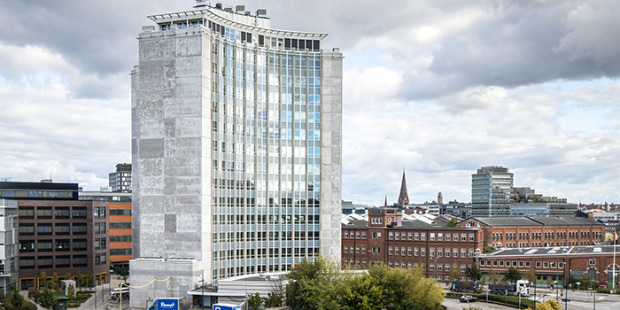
579,300
455,304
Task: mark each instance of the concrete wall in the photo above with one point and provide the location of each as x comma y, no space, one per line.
157,278
331,155
171,155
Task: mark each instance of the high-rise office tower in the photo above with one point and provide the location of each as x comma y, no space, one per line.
120,181
236,146
491,190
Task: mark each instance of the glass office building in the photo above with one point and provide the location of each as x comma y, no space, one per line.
491,191
236,149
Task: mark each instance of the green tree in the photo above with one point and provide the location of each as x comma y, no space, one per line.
494,277
315,285
15,299
530,275
398,286
90,281
273,299
122,271
512,275
364,293
427,294
453,222
487,248
81,280
254,301
473,272
455,274
46,300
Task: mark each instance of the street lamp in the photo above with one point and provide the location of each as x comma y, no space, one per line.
534,284
613,274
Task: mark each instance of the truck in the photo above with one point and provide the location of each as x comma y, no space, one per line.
465,287
521,287
226,307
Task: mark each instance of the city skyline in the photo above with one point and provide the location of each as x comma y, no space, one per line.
441,89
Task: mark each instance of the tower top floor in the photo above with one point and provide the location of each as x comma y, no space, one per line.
236,24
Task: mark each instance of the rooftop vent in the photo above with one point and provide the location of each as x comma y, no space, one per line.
239,8
247,13
218,5
200,3
228,9
261,12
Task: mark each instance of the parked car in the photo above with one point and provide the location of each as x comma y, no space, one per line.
468,298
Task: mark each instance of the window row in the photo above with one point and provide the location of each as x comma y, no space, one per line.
416,236
52,212
521,264
51,245
26,229
57,261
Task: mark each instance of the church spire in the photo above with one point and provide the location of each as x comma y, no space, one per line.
403,198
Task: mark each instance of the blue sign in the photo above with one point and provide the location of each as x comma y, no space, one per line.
565,300
167,304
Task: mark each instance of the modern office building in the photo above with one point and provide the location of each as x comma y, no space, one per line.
455,208
8,245
236,149
121,246
43,190
491,191
63,237
57,232
120,181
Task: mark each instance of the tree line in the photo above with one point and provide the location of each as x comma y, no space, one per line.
321,285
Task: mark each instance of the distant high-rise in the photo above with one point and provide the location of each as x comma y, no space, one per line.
236,135
491,190
120,181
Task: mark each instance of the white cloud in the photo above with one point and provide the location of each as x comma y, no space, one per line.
440,87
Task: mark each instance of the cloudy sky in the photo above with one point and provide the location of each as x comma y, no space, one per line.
439,88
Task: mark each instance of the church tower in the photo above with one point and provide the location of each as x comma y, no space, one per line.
403,198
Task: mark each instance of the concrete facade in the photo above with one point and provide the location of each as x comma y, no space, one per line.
236,146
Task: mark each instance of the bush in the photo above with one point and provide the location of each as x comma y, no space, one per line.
511,300
607,290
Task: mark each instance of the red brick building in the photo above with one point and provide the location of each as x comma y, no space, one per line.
525,232
555,265
384,236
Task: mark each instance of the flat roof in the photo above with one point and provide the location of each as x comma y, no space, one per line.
536,221
553,251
